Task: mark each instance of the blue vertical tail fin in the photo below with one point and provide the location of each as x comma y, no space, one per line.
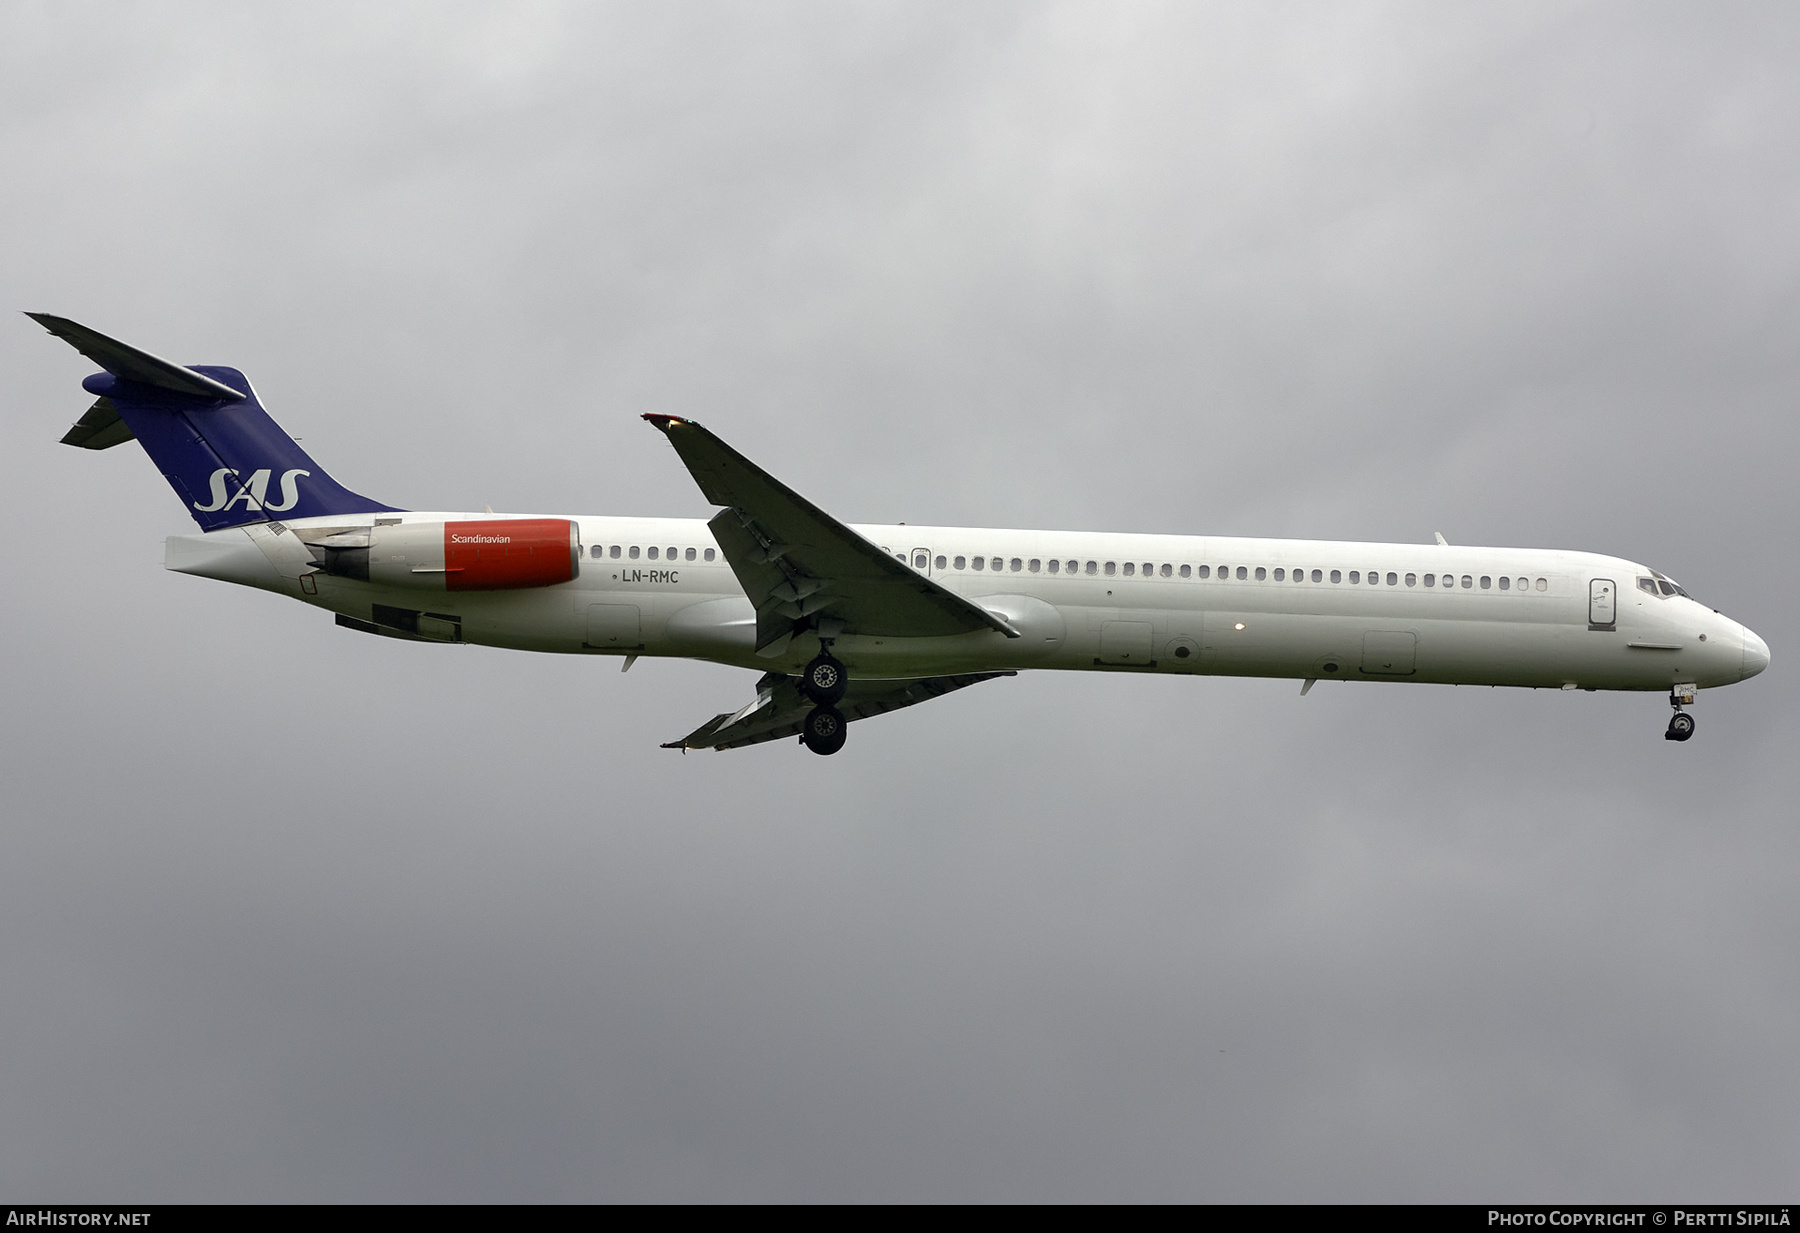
206,432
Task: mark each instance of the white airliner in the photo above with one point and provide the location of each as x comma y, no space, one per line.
844,622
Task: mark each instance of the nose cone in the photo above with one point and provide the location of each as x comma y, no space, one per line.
1756,655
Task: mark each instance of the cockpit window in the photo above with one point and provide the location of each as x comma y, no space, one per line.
1647,585
1666,584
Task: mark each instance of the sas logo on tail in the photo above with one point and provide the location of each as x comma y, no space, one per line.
254,491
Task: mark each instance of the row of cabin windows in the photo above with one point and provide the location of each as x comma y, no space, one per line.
1244,572
650,554
1130,569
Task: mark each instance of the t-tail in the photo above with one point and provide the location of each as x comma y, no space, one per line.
206,432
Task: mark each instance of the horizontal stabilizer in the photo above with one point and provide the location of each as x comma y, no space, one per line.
100,429
134,365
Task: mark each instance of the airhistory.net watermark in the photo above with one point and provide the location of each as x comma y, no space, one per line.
64,1218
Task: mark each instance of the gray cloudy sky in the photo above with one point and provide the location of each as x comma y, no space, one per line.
289,913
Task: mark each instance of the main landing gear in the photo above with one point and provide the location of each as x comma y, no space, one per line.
1681,724
823,730
824,682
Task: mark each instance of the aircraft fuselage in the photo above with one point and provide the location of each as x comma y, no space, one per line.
1192,605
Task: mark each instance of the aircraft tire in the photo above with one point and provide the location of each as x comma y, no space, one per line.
824,730
1681,727
824,680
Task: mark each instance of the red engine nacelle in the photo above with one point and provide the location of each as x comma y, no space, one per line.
503,554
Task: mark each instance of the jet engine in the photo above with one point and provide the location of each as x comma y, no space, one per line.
496,554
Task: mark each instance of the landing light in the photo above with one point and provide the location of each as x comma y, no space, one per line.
1240,625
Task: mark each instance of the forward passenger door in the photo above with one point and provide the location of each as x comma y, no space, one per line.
1603,606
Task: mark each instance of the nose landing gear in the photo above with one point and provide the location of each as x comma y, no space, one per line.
1681,724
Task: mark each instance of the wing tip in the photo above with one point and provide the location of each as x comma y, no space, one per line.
662,423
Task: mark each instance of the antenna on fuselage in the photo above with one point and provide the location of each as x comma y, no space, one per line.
1442,542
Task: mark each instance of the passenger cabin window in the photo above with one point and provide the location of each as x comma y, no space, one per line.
1206,571
1034,565
1242,573
615,552
651,554
1468,582
1487,583
1336,576
634,552
596,552
1317,576
1505,583
1412,580
1055,566
689,554
1167,570
1261,574
940,562
1543,584
1092,566
1016,565
709,554
921,560
1393,579
1187,570
1354,577
1130,568
980,562
1430,580
1111,568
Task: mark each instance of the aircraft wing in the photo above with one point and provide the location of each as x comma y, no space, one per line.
780,707
802,568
